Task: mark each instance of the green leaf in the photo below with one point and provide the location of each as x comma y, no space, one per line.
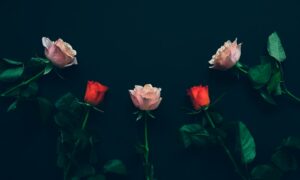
13,106
292,142
11,74
275,47
85,171
260,75
150,114
40,60
69,103
30,90
265,172
194,134
115,166
266,59
97,177
140,116
45,109
83,138
65,101
273,86
267,97
48,68
245,144
284,161
63,120
75,178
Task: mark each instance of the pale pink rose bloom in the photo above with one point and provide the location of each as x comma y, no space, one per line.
60,53
145,97
226,56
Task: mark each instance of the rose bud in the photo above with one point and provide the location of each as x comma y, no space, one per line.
60,53
199,96
226,56
94,93
145,98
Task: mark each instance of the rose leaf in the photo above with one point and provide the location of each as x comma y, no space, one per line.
284,161
260,75
265,172
275,47
194,134
245,144
115,166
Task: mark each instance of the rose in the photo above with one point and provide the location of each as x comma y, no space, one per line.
60,53
226,56
145,98
199,96
94,93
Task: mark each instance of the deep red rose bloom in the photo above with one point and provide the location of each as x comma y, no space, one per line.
94,93
199,96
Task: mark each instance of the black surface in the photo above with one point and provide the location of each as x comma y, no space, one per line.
166,43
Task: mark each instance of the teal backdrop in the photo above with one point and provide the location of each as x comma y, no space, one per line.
166,43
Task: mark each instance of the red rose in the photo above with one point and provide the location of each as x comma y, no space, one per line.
199,96
94,93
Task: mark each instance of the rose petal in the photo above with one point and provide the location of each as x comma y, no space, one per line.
47,42
155,104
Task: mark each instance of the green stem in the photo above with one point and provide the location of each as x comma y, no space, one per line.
23,83
286,91
243,70
85,119
66,173
225,148
146,154
241,67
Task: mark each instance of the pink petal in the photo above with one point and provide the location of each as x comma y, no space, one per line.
47,42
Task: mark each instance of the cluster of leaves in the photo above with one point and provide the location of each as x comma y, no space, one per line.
239,140
286,158
76,153
235,136
21,78
267,77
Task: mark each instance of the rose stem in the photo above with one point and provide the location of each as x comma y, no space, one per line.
77,142
85,119
23,83
241,67
237,169
285,90
146,153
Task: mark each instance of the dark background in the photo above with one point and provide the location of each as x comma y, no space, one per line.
167,43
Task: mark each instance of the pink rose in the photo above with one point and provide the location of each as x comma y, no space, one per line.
60,53
145,98
226,56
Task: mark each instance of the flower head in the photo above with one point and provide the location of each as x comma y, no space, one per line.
60,53
94,93
145,97
199,96
226,56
